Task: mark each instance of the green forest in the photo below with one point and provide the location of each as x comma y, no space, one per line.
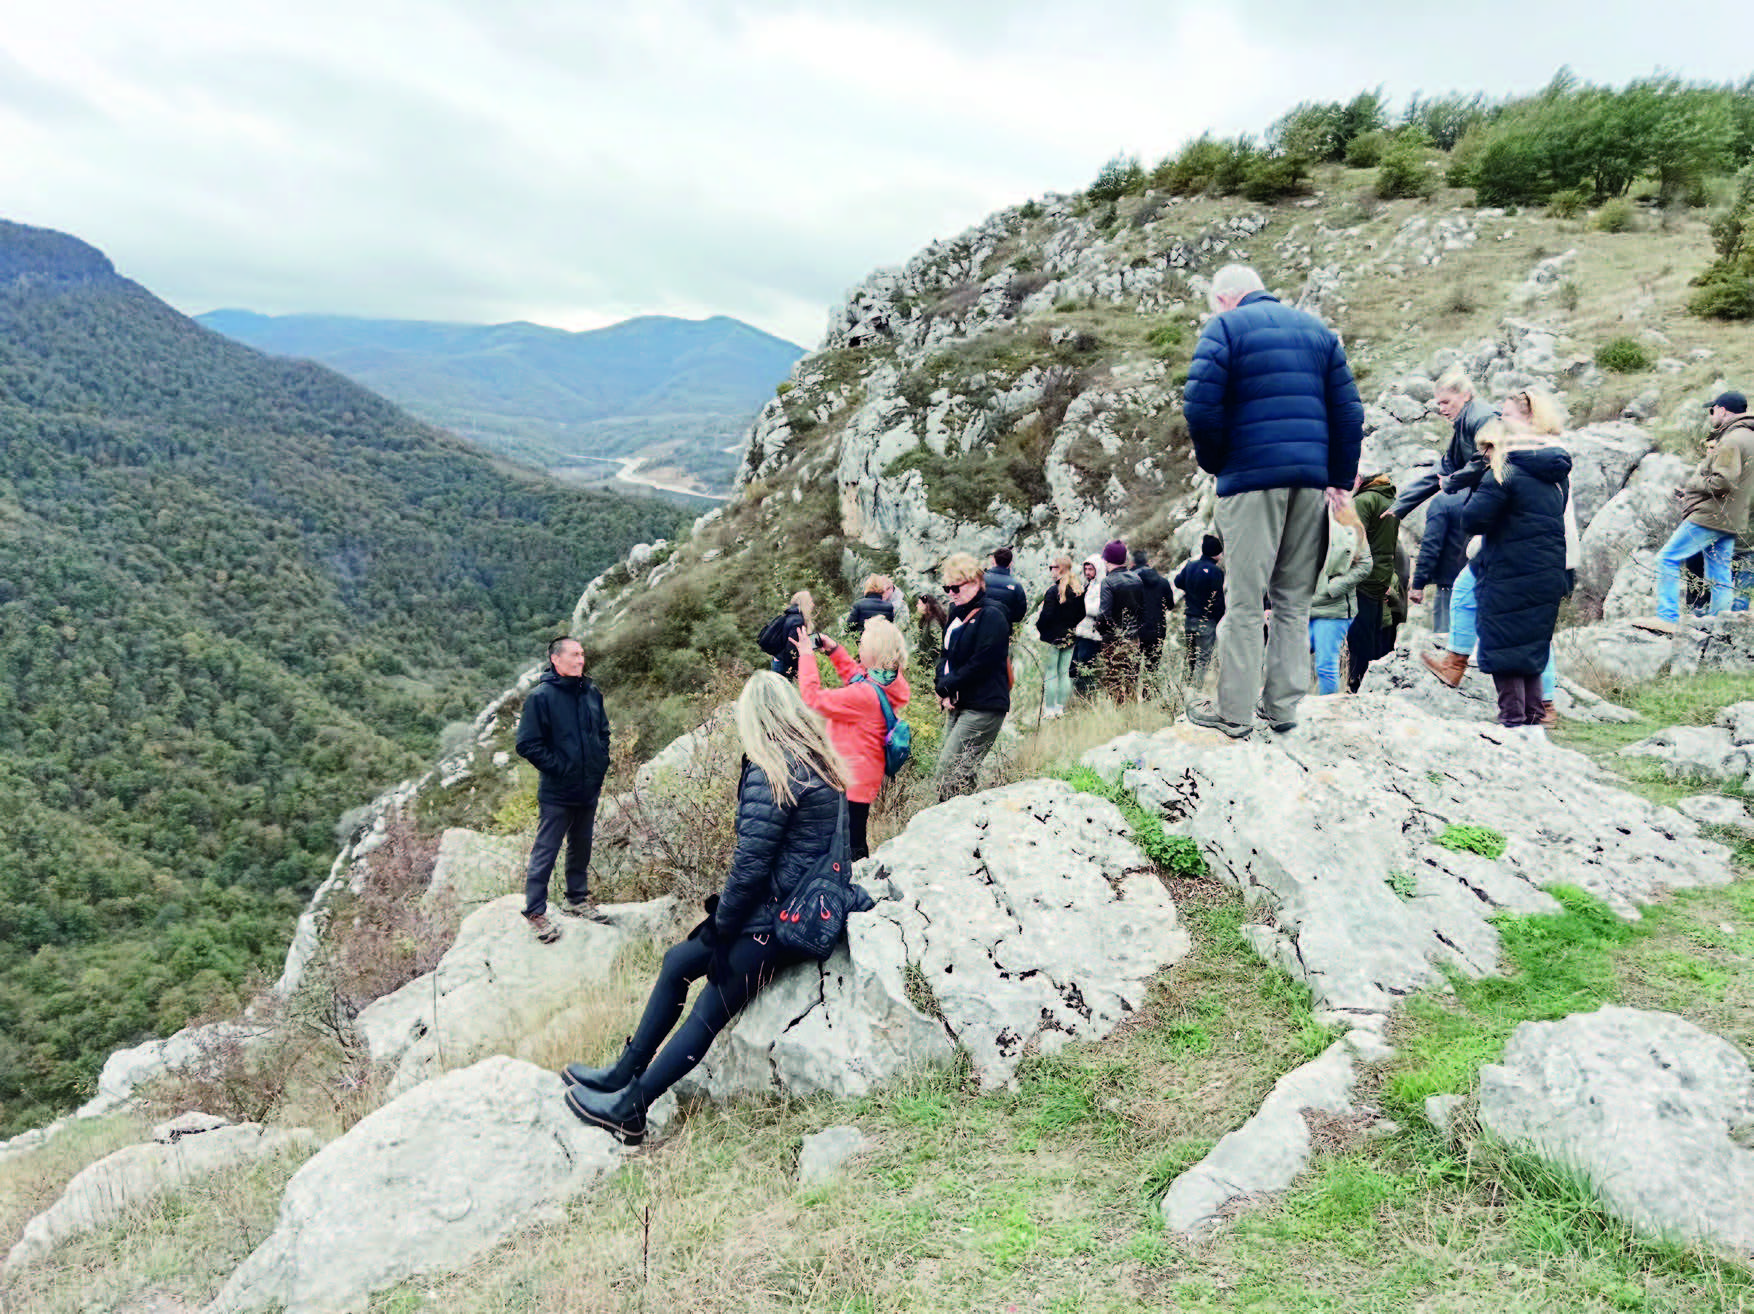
238,596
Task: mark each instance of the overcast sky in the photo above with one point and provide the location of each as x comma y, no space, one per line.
574,163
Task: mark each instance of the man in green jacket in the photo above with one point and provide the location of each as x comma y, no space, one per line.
1373,633
1714,509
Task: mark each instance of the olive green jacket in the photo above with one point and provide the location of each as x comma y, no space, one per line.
1716,494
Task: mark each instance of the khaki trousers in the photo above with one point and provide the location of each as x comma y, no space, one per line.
1275,541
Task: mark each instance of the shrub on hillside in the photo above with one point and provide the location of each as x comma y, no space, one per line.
1121,176
1567,203
1404,171
1616,216
1366,151
1274,177
1030,210
1624,356
1726,286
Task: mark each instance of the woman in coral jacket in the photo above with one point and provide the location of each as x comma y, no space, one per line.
856,725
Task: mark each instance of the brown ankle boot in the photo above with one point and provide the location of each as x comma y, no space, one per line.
1450,667
1549,715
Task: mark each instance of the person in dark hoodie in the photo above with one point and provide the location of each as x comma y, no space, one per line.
1201,582
1519,571
790,797
1442,554
1159,601
1119,609
564,734
1003,586
973,683
1372,633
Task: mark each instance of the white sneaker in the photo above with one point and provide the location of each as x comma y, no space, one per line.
1049,713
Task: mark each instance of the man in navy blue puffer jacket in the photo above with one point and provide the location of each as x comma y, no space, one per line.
1274,413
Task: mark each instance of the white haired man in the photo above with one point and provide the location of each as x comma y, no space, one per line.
1275,415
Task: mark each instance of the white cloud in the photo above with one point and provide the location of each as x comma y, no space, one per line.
578,162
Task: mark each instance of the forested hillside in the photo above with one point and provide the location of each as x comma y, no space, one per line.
678,391
238,596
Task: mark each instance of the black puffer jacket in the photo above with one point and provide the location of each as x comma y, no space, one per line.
1057,619
870,605
1122,606
776,846
972,669
1520,568
564,734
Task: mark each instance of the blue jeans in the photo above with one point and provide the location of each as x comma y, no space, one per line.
1462,610
1688,538
1326,634
1742,578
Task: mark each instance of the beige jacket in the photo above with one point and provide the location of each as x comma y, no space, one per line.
1716,494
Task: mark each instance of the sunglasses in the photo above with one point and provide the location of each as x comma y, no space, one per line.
957,588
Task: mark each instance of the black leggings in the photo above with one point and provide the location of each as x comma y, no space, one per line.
754,960
858,820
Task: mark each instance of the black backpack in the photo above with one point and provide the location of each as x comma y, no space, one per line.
812,921
772,639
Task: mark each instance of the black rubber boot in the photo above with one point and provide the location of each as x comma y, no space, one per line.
629,1067
622,1113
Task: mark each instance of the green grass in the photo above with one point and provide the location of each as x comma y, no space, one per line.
1486,842
1174,853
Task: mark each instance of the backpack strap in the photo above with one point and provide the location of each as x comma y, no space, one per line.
882,700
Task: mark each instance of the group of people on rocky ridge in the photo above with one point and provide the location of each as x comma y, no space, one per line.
1306,561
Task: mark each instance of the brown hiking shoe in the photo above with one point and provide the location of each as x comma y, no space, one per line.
1449,667
586,909
1549,715
543,929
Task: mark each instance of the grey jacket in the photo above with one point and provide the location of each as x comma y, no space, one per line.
1348,563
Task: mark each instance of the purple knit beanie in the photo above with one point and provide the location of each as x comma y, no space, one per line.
1115,553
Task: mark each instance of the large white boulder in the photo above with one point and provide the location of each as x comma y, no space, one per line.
127,1069
1603,456
472,868
107,1190
1646,1107
1025,913
1639,515
497,983
423,1185
1402,674
1612,652
1311,825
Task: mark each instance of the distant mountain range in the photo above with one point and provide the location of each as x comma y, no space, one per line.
675,392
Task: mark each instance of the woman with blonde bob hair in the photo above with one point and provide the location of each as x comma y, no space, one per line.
877,600
789,800
973,681
857,726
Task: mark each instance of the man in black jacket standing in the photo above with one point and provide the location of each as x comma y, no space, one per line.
1154,618
1002,586
564,734
1202,584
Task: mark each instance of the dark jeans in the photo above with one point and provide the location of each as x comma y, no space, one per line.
1202,636
1085,665
1519,699
556,822
858,814
1367,640
754,960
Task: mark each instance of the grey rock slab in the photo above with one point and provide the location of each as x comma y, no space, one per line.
1724,642
1738,719
192,1123
423,1185
1603,456
496,982
1716,810
472,868
822,1155
1026,913
107,1190
1612,652
1268,1151
1695,752
1644,1105
126,1069
1309,827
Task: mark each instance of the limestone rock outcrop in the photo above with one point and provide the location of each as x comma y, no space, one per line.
109,1189
1647,1107
497,981
422,1185
1021,917
1723,751
1402,674
1311,825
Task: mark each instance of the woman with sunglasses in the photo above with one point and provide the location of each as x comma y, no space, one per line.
974,681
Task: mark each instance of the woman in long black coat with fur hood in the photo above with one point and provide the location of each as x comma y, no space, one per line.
1518,509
